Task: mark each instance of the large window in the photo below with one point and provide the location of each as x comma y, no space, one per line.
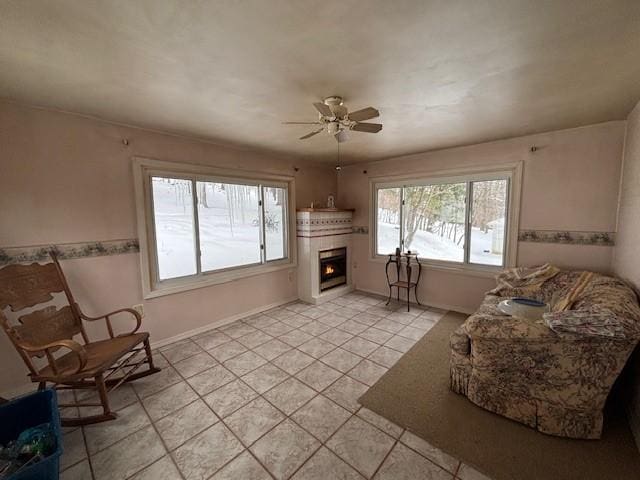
462,220
201,228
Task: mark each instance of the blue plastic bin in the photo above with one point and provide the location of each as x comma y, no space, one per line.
30,411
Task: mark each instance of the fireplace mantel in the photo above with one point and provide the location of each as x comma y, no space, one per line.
318,230
326,210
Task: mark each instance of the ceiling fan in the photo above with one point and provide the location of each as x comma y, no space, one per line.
335,118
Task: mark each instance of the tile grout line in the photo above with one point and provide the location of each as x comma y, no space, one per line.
397,440
84,439
200,397
289,417
221,420
455,470
168,452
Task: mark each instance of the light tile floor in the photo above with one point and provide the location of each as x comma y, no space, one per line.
273,395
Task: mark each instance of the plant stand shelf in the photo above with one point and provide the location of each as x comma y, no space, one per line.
407,263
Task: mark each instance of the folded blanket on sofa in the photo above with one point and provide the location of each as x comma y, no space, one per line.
581,322
574,294
523,278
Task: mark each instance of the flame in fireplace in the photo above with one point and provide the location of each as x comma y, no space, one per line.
328,270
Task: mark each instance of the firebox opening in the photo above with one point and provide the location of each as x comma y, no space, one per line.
333,268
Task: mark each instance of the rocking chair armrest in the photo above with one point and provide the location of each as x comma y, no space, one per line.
107,315
72,345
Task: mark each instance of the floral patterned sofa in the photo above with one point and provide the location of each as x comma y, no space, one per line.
552,380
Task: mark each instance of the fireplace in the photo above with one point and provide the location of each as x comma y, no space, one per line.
324,254
333,268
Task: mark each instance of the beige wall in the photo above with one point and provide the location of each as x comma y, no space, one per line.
569,183
626,260
66,178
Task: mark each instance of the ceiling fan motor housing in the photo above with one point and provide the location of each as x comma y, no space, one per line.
333,100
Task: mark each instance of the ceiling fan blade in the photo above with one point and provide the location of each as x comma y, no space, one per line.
341,136
311,134
367,127
364,114
299,123
323,109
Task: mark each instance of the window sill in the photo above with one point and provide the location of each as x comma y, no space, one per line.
457,269
210,279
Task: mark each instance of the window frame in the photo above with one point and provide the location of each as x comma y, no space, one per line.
145,169
512,172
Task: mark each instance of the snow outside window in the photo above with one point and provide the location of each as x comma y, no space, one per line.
275,222
459,221
232,225
174,225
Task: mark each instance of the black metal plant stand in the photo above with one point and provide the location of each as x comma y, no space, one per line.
408,260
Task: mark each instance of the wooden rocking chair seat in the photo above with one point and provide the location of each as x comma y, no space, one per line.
100,356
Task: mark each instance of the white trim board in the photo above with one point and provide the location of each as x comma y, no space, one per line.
31,387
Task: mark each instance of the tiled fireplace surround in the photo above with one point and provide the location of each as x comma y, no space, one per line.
316,231
270,396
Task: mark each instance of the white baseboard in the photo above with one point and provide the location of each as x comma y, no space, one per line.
31,387
442,306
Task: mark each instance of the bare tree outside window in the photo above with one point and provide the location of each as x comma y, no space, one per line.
388,216
434,217
488,212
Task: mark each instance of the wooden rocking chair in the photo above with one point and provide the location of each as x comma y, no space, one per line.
101,365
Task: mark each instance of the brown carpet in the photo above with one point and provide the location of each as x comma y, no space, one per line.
415,394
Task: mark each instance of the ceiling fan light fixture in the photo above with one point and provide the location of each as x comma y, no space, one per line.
336,119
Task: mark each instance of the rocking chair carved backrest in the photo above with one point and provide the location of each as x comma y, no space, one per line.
25,286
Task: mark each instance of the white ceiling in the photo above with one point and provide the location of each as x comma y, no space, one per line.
442,73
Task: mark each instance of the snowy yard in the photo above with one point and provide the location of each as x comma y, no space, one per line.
433,246
227,239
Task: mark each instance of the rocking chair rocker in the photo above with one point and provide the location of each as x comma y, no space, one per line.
101,365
